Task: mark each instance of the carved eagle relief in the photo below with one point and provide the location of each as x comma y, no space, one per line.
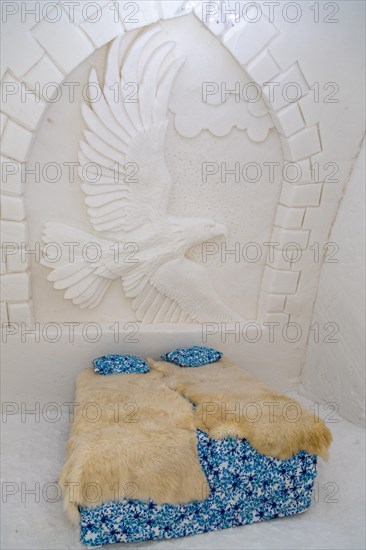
163,284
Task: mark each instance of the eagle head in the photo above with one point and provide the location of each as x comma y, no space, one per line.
196,230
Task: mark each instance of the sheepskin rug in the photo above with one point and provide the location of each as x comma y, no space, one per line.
132,437
230,402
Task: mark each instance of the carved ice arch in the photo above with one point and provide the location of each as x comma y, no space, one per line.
51,58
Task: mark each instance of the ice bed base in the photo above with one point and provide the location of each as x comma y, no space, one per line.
246,487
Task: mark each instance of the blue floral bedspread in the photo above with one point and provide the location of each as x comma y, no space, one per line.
246,487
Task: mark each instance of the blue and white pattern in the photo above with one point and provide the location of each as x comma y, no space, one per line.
115,364
196,356
246,487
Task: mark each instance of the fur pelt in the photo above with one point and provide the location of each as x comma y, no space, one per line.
230,402
132,437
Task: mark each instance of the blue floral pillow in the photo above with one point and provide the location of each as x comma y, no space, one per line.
196,356
115,364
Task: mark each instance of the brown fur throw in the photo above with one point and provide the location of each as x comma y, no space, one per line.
230,402
132,437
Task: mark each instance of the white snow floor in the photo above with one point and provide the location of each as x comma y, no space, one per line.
34,452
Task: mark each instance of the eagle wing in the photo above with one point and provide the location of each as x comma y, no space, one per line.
122,163
178,291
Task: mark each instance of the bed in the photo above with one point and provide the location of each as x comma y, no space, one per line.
209,475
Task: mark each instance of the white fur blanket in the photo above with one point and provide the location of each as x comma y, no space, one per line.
230,402
132,437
